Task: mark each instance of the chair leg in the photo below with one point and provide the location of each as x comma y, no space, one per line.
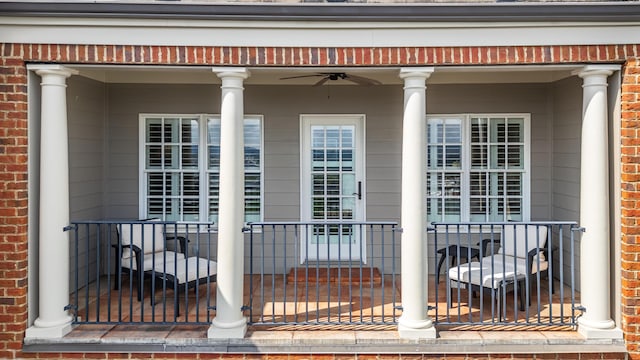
140,279
522,295
439,267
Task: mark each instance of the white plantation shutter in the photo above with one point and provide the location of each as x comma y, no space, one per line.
171,168
477,167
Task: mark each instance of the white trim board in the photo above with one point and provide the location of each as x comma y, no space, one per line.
85,31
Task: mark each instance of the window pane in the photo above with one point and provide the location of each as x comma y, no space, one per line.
213,131
154,130
434,156
154,156
514,210
498,130
515,157
214,157
434,210
171,130
172,209
453,154
154,207
479,156
171,156
190,156
515,130
190,132
251,157
452,210
478,209
498,156
478,183
479,130
191,184
191,209
514,184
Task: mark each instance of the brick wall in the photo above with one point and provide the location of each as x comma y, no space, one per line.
13,204
13,156
630,148
260,56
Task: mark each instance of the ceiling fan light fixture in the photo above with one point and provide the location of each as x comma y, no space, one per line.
360,80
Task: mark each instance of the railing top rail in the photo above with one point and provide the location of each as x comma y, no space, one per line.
503,223
128,221
322,223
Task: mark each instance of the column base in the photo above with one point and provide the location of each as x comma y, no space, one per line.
423,329
234,330
599,330
48,331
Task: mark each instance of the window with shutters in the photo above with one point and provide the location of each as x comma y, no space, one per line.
478,167
180,167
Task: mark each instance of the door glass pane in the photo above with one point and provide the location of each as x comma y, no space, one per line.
348,207
348,184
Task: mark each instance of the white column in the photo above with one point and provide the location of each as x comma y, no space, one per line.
53,283
414,322
594,206
229,321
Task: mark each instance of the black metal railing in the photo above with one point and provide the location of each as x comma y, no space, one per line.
323,273
142,272
506,273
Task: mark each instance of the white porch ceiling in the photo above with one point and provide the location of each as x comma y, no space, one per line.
273,76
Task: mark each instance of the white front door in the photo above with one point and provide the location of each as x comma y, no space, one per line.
332,189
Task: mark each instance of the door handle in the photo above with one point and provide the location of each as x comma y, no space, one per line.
359,191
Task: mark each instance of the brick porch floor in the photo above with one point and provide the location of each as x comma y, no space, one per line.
452,338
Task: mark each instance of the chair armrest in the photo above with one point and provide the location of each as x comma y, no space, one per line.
531,255
137,253
484,246
183,241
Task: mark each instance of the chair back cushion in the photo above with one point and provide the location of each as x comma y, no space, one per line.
148,237
518,240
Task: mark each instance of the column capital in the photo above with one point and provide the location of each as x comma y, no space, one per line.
419,72
231,72
593,70
52,69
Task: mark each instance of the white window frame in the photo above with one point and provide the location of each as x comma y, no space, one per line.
465,171
203,169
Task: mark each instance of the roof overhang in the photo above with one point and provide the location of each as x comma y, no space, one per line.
361,12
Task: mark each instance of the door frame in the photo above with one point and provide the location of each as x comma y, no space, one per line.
306,121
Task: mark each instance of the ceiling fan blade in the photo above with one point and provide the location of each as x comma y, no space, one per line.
360,80
301,76
322,81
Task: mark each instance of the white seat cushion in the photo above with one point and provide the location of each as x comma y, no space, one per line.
148,237
190,269
492,270
519,239
148,261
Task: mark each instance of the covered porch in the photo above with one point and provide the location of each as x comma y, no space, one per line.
106,181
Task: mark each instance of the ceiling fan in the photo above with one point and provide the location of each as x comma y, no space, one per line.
360,80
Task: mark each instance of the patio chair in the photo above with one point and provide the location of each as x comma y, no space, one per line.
144,246
139,246
523,253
